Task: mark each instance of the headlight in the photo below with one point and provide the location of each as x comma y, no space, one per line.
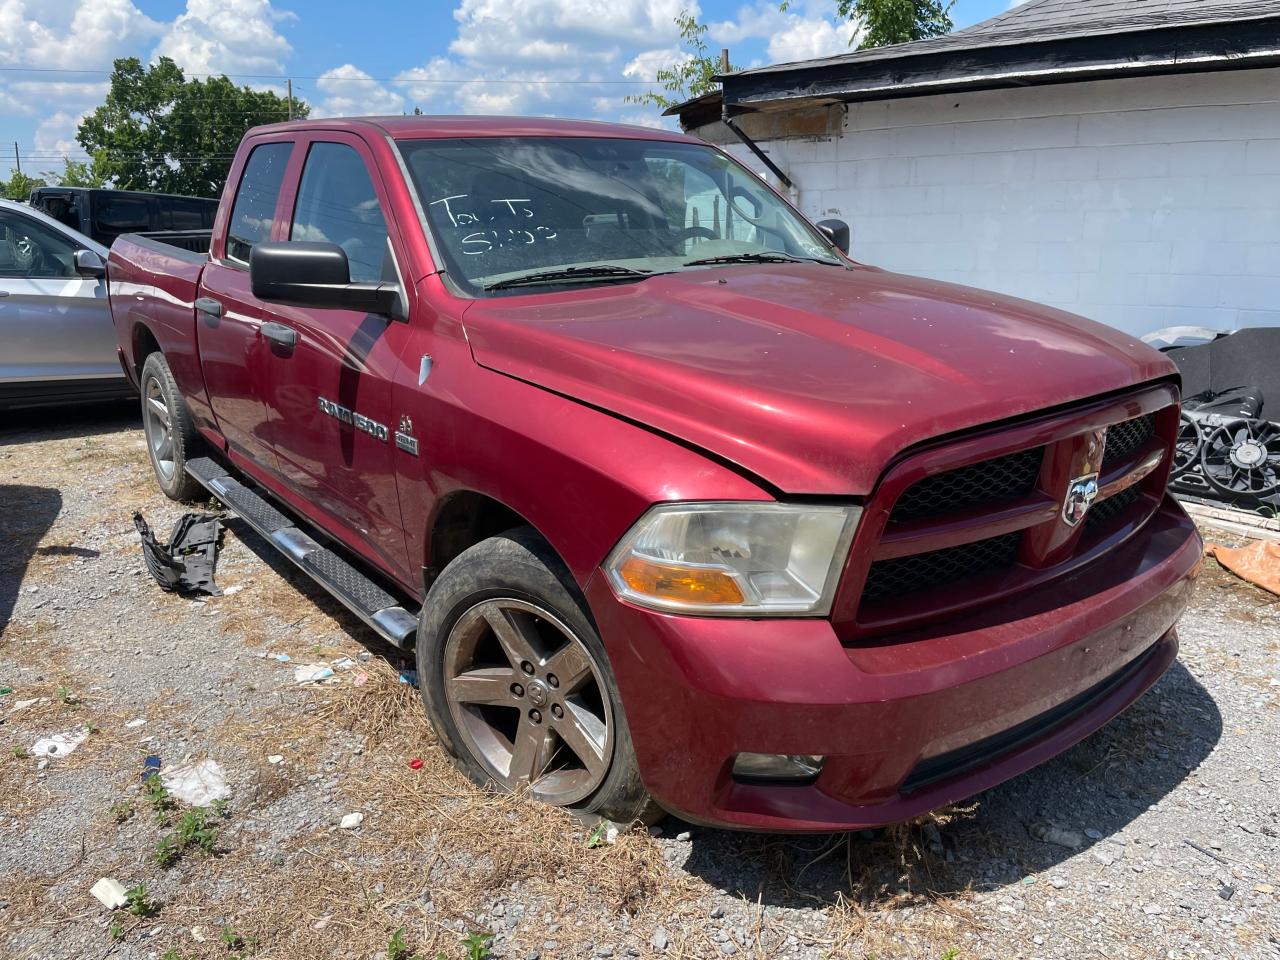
741,559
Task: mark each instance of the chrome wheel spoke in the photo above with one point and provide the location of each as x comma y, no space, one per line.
165,450
531,753
158,410
585,734
484,685
514,633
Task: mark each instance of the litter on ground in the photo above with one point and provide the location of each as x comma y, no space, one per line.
312,673
1257,562
197,783
109,893
60,745
351,821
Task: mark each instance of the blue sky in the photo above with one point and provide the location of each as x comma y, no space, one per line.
563,57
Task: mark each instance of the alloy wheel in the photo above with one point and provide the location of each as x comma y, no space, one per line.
529,700
158,426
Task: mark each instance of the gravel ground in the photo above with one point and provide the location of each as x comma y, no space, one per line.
1157,837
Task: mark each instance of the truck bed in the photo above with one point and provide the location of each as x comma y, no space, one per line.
152,287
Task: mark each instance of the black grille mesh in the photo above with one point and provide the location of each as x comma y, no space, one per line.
908,575
979,484
1104,511
1124,439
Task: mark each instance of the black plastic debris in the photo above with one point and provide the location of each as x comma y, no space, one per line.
1228,448
186,565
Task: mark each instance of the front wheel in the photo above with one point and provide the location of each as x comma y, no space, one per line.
166,424
517,684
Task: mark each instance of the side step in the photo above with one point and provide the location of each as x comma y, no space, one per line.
356,591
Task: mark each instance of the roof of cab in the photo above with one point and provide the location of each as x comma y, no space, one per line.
435,127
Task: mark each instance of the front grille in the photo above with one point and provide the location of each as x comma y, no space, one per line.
1124,439
1104,511
903,576
977,485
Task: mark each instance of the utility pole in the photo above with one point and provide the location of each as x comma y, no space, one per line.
290,85
16,161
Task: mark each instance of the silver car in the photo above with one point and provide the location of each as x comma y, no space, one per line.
57,342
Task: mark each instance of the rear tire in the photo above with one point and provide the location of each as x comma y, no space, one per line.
517,683
171,437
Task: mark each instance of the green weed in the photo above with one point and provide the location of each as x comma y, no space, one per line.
137,903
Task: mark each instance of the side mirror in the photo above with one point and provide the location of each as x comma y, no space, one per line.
301,273
837,231
88,264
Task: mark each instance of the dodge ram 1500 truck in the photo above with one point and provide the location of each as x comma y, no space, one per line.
680,507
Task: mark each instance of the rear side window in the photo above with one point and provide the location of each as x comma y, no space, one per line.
122,214
255,203
337,204
184,214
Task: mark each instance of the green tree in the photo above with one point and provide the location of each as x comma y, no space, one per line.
160,131
75,173
692,76
19,186
896,21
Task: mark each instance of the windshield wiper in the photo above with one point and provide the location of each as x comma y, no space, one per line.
765,256
603,271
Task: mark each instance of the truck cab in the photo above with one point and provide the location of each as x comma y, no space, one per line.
680,507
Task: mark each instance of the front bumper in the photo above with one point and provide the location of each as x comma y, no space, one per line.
909,724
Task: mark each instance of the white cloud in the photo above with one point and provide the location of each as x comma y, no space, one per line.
83,35
227,36
350,92
807,39
645,66
802,32
557,33
56,135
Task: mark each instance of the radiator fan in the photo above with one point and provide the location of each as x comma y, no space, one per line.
1242,458
1186,451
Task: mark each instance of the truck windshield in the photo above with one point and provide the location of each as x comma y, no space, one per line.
516,213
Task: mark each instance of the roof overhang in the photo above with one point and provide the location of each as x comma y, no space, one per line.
1185,49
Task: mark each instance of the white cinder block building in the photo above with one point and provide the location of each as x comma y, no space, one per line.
1116,158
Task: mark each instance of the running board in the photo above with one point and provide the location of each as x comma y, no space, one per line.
353,589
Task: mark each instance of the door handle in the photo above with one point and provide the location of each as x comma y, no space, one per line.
4,293
210,306
279,333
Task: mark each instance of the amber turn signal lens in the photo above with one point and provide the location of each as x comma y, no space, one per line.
678,583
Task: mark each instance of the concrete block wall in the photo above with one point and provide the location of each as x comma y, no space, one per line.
1142,203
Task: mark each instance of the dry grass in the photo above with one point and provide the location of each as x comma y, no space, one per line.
432,855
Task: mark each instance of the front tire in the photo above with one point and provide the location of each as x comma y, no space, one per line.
517,683
170,435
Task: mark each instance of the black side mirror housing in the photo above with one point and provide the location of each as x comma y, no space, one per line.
88,264
837,232
303,273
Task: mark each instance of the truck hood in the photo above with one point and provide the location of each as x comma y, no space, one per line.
811,377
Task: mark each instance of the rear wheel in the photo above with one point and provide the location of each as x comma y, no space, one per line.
517,683
170,435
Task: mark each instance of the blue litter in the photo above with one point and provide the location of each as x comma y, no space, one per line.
410,677
150,767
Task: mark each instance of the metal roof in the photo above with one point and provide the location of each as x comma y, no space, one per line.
1044,21
1038,42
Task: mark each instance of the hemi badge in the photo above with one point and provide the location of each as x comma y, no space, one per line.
406,443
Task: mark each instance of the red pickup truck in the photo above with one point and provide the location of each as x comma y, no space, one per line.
680,507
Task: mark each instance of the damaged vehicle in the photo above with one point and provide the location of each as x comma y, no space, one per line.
680,507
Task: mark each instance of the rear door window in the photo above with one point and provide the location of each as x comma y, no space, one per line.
255,204
338,204
184,214
114,215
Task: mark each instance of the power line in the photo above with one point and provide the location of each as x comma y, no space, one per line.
524,81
